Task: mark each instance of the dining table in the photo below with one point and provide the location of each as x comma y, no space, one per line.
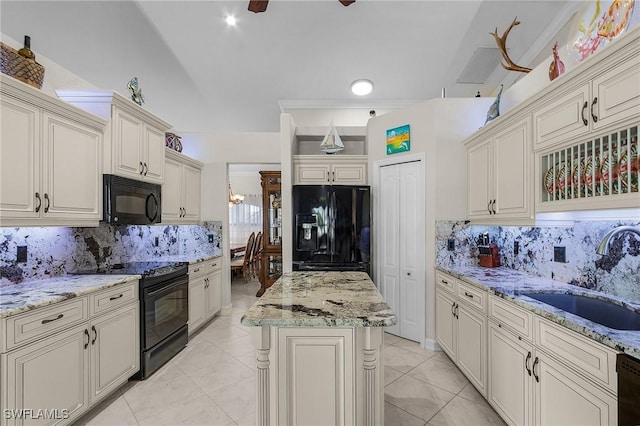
237,248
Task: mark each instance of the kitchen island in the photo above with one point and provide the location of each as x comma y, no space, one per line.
319,341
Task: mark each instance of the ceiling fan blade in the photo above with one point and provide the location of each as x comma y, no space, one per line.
346,2
258,6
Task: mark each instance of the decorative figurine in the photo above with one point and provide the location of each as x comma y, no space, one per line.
502,45
136,92
556,67
494,109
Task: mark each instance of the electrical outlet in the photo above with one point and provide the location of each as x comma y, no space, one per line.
560,254
451,244
210,236
155,242
516,248
22,254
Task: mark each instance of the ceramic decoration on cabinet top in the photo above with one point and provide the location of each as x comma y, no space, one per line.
134,137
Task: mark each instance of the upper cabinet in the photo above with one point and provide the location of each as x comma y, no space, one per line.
181,189
605,100
311,166
338,170
571,147
51,162
499,173
134,138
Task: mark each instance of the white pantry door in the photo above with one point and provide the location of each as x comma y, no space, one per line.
402,246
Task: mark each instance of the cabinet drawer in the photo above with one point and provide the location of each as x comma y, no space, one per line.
43,322
112,298
472,295
213,265
197,269
508,314
590,359
446,281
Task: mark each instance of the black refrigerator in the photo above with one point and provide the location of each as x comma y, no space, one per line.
331,228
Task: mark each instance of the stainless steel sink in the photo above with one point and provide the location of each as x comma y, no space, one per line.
602,312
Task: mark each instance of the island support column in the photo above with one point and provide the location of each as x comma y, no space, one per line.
262,342
371,376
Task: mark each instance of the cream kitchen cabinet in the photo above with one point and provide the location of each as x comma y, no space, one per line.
607,96
51,163
499,165
134,137
336,170
558,377
205,292
69,363
181,189
461,327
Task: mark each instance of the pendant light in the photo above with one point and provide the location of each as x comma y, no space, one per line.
234,199
331,142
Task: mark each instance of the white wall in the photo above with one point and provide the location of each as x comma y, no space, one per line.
55,76
437,128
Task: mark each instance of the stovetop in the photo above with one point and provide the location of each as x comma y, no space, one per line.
146,269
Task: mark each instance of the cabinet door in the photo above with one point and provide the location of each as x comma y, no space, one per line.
52,373
214,296
479,164
191,191
445,323
153,154
349,174
316,377
172,192
562,118
312,174
510,389
197,303
19,159
564,398
72,164
115,350
618,93
127,155
512,171
472,346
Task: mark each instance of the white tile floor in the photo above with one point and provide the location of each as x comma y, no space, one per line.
211,383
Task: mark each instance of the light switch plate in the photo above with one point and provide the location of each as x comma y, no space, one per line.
560,254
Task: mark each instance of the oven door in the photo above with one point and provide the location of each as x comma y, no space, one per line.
166,309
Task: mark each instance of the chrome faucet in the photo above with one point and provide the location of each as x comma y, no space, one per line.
603,248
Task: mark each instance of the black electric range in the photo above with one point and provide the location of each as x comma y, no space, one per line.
164,309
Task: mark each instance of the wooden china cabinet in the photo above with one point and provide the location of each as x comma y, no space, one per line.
271,256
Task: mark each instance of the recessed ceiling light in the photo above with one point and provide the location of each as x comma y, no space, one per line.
361,87
230,20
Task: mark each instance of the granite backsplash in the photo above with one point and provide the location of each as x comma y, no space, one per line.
55,251
616,274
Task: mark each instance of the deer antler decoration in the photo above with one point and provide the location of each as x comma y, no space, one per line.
502,45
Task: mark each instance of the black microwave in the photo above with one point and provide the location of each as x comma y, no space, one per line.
130,202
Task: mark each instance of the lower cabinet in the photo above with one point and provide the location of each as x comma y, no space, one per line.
55,379
205,292
461,331
531,370
528,385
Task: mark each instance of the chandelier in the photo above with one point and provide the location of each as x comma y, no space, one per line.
234,199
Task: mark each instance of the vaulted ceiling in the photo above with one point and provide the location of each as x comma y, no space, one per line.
203,76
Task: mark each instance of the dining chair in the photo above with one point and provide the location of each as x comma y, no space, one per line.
243,263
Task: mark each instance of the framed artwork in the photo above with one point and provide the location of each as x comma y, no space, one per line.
398,140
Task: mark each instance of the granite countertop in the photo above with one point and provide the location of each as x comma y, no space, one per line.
26,296
321,299
511,284
18,298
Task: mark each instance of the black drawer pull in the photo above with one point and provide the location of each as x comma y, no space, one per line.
46,321
116,297
468,295
196,270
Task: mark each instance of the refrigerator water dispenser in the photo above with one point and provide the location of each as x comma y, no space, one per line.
307,232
